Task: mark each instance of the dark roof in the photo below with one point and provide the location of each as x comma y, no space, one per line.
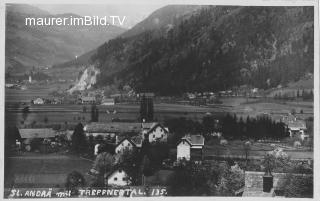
113,127
194,140
151,126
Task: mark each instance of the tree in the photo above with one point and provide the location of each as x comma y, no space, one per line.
145,168
94,113
247,148
130,162
84,109
146,108
79,143
25,113
74,181
191,179
45,120
231,179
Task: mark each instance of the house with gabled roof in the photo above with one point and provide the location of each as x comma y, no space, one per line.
155,132
190,147
118,177
125,143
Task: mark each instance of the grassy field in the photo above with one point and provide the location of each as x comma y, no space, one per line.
40,170
257,150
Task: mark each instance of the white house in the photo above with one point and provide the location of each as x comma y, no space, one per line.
38,101
155,132
296,127
118,178
189,144
124,144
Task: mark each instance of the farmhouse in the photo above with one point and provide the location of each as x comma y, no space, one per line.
154,132
88,100
124,144
38,101
118,178
296,127
29,134
190,147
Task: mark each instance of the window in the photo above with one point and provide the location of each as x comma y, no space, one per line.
161,130
123,179
115,179
154,136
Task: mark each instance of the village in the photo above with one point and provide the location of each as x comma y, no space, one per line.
149,153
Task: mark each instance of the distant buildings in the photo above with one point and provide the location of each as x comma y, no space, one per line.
38,101
295,126
135,131
88,100
191,145
108,101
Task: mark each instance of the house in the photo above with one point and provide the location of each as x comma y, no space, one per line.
155,132
190,147
39,101
29,134
107,101
124,144
88,100
118,178
296,127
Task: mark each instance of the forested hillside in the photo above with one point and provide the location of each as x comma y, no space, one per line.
214,49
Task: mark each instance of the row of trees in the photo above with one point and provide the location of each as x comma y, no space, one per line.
304,94
261,127
231,127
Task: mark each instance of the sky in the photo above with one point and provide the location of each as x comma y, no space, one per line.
134,12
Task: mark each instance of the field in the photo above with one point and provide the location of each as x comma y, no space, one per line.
39,170
58,114
257,150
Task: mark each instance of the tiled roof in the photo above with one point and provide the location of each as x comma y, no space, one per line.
254,183
36,133
113,127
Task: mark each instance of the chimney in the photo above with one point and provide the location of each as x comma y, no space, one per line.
267,182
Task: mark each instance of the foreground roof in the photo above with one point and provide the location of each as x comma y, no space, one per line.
37,133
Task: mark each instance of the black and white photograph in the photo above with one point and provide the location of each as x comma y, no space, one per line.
159,99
